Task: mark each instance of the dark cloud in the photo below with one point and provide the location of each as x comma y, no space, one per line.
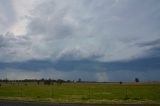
146,69
153,43
154,47
143,64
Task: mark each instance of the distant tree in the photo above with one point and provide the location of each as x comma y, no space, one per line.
60,81
79,80
48,82
68,81
137,80
53,81
120,82
6,80
42,79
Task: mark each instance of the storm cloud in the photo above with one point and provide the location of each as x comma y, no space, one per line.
107,36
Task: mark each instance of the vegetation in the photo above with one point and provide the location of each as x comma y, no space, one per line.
63,92
136,79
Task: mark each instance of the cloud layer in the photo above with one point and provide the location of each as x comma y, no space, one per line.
106,31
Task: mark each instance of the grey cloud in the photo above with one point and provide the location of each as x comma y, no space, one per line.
48,73
108,39
9,39
48,22
7,16
155,42
102,26
128,75
146,69
138,65
96,30
14,48
153,47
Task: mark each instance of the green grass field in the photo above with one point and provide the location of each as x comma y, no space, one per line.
82,93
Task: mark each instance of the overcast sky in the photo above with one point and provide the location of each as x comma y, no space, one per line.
95,40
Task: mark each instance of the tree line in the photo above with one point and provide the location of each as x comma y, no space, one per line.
39,81
53,81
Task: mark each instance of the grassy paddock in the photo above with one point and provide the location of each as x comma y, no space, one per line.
94,93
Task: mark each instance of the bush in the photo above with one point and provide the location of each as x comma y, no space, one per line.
137,80
120,82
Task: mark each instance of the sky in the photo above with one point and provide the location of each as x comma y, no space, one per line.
95,40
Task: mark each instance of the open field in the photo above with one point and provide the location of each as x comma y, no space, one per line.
91,93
